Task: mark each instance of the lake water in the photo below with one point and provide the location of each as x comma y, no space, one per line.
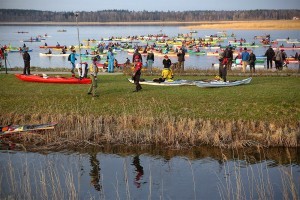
202,173
9,36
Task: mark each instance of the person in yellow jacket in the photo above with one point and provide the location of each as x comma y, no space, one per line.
93,74
166,75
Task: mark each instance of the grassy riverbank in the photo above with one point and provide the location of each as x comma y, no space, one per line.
266,112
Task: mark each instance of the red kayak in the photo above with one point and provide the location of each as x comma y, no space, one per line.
49,79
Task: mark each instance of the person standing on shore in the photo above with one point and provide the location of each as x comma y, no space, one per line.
111,60
150,60
270,53
278,59
72,60
93,74
181,59
26,58
137,75
252,59
223,66
245,59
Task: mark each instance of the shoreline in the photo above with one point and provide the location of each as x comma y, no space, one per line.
237,25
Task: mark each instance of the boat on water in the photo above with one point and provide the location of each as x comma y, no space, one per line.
50,47
218,83
166,83
54,55
19,50
53,79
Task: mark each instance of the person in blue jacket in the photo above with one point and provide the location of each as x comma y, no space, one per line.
111,59
245,59
72,60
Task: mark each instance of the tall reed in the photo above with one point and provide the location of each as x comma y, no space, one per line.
91,130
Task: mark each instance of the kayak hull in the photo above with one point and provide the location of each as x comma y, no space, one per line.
61,80
166,83
214,84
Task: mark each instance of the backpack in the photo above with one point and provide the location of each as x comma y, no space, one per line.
69,57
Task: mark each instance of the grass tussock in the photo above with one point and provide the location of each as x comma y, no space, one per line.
82,131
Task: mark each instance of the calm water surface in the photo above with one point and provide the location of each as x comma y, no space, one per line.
10,35
205,173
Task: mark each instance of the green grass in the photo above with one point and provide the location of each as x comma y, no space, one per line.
275,99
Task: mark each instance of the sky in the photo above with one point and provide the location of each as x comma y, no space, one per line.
149,5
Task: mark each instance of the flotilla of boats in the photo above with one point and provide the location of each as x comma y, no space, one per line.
161,44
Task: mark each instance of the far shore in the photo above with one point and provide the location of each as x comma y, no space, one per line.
237,25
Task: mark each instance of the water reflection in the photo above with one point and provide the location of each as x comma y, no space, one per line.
201,173
139,171
95,171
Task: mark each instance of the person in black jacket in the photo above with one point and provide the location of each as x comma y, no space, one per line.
181,55
270,53
167,62
26,58
252,59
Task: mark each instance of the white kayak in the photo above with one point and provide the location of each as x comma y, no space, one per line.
166,83
215,83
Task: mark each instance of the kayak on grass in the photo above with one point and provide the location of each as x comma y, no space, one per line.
5,130
166,83
218,83
53,79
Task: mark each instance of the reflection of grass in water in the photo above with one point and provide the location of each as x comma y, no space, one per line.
257,184
57,182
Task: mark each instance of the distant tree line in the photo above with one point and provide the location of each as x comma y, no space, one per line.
17,15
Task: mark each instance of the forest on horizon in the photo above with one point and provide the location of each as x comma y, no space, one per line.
18,15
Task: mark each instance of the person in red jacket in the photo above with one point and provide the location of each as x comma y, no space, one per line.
136,76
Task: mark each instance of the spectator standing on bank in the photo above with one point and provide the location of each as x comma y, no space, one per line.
26,58
150,60
181,59
252,59
245,59
270,53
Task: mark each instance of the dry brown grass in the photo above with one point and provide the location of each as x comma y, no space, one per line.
77,131
249,25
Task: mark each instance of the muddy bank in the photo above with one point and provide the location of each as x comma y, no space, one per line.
170,132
